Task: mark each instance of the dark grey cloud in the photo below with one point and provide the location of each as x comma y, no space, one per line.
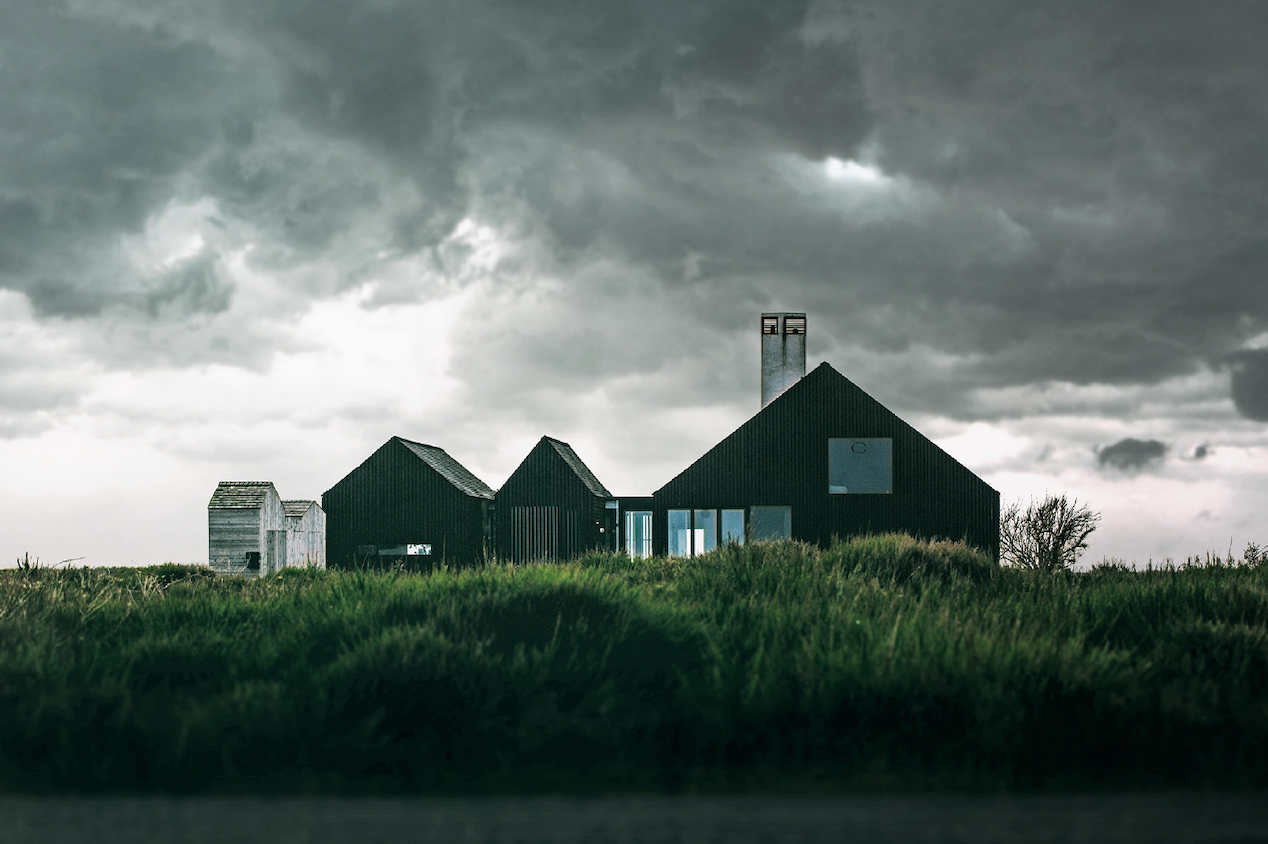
1069,194
1128,454
1250,382
1201,452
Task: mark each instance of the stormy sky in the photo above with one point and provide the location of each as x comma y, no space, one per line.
252,239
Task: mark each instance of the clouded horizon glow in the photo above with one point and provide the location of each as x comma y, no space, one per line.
254,240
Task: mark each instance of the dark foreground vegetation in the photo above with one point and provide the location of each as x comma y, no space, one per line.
878,663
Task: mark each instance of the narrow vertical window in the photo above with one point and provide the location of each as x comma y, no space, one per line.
705,534
680,533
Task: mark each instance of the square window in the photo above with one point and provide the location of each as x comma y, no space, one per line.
770,325
795,325
860,465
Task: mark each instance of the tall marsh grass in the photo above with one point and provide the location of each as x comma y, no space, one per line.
884,662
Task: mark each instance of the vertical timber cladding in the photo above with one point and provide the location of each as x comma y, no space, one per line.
551,507
780,457
407,493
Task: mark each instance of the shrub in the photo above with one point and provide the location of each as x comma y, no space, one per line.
1048,536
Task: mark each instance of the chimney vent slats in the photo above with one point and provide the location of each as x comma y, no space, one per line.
783,352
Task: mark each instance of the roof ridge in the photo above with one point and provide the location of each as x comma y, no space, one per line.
578,467
444,464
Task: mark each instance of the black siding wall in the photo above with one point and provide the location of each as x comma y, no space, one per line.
544,479
394,498
780,457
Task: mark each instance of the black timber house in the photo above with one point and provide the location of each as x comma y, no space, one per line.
553,507
408,501
820,459
823,459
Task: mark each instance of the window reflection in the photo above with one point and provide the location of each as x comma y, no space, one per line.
705,535
769,524
680,533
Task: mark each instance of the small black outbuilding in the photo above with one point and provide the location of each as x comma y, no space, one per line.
553,507
408,501
823,459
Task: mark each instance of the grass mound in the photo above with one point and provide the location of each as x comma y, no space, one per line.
875,663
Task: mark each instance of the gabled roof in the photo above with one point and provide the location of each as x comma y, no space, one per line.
580,469
297,506
821,396
449,469
247,495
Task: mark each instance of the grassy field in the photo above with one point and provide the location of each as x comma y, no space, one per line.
881,663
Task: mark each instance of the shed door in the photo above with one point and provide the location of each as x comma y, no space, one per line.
274,551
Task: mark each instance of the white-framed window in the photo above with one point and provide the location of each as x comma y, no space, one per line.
638,533
860,465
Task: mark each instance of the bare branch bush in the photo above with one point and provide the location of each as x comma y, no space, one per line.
1048,535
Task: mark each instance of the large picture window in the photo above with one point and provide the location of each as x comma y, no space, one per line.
769,524
860,465
692,532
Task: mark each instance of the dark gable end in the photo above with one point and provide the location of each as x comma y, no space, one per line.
408,494
551,506
780,458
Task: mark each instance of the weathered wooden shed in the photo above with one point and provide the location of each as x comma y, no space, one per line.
408,501
553,507
305,533
823,459
246,529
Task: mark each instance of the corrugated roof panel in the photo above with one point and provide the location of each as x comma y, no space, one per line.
449,469
582,470
239,495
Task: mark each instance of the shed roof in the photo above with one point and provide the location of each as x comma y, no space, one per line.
581,470
449,469
297,506
246,495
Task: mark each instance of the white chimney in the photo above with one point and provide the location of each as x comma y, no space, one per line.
783,353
